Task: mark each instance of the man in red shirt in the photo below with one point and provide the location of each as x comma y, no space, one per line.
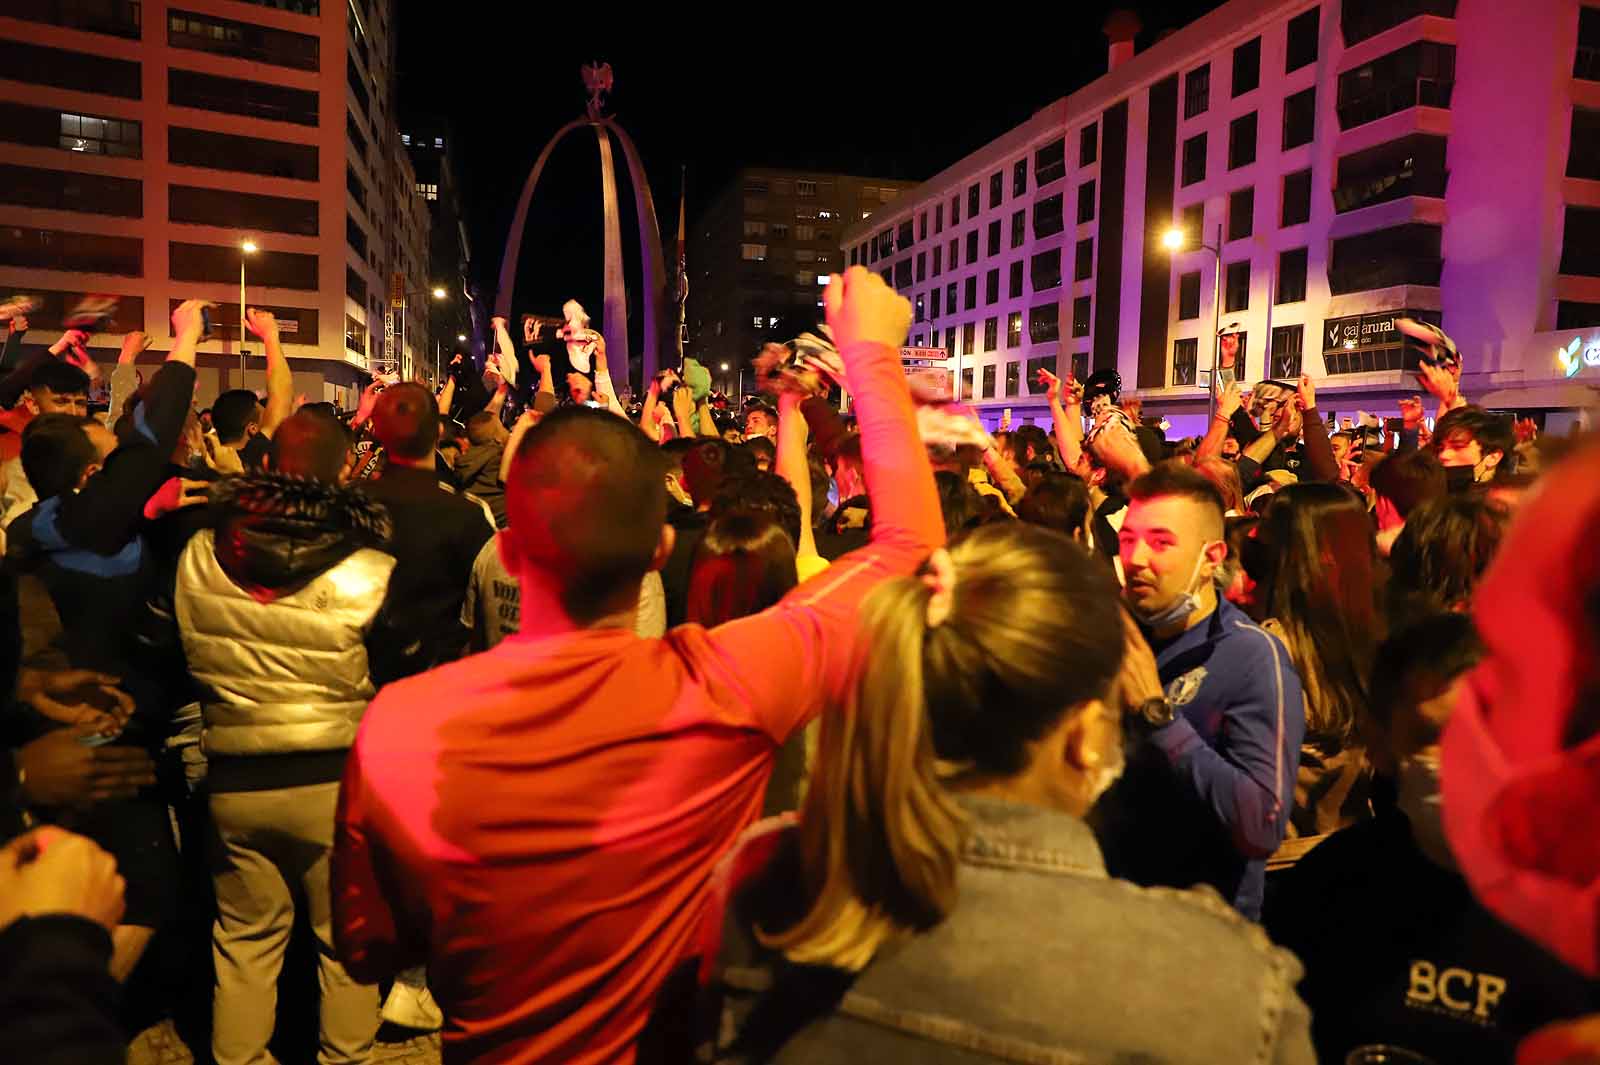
538,824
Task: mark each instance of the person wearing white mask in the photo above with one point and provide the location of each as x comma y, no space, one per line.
941,899
1398,952
1210,782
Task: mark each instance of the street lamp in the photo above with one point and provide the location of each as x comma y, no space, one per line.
1175,240
438,293
247,248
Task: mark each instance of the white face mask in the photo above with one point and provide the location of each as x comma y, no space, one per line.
1420,800
1180,609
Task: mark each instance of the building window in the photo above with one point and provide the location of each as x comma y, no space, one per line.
991,287
1080,316
996,188
1019,228
808,189
922,226
779,230
971,287
969,332
1013,378
973,205
220,263
753,228
1401,255
951,306
1580,242
355,335
1088,144
355,286
1086,202
1583,155
955,252
754,253
64,190
1194,160
993,243
919,308
938,256
855,256
66,69
1287,343
243,40
1410,166
115,18
1014,329
933,303
1050,163
1296,199
1014,288
1019,177
84,253
355,236
1571,314
988,382
1047,221
991,334
1236,293
237,96
1197,91
955,210
902,274
1360,19
1423,74
972,247
806,255
1185,356
47,127
966,383
950,340
902,239
1193,224
1046,270
1299,118
1044,323
1291,276
938,220
1303,31
922,266
1083,264
1241,213
1247,66
1586,64
1242,141
1189,295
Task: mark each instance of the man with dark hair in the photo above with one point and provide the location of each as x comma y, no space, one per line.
53,387
708,464
1403,482
763,452
478,467
437,534
540,823
240,420
1207,793
61,451
760,420
295,562
1473,445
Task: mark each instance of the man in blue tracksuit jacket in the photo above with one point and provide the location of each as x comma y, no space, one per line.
1209,783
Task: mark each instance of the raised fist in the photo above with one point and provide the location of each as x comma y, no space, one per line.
262,323
862,309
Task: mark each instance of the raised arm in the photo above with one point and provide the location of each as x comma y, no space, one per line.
507,350
683,411
1066,418
125,376
792,465
602,378
647,416
497,402
1221,423
280,382
447,397
1320,463
815,624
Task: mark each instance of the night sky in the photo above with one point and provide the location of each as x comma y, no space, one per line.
886,101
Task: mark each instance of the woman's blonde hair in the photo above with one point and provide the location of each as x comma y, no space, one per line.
1033,633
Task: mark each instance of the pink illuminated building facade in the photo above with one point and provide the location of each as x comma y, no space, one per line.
1354,160
145,142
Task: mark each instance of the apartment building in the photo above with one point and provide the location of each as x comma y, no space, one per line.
760,252
1327,166
148,144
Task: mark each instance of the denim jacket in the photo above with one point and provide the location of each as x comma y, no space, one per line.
1045,959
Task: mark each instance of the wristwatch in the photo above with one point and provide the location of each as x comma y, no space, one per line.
1156,712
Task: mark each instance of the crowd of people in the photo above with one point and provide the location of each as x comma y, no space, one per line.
595,728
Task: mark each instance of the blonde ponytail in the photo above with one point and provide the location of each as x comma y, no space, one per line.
880,838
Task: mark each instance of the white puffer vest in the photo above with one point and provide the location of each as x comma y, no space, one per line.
282,676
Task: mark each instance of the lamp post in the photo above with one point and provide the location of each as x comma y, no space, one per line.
437,292
247,248
1176,240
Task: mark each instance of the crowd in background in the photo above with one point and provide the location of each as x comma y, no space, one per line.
825,727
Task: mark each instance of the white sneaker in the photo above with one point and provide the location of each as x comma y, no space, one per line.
412,1006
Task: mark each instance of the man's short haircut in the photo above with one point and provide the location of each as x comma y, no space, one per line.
406,421
1493,432
759,447
310,445
1408,479
764,409
480,427
55,452
1347,435
1178,479
62,378
587,498
764,492
233,412
709,463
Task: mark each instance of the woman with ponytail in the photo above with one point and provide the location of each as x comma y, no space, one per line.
940,898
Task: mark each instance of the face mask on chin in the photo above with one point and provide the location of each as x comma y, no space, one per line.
1180,609
1459,478
1421,802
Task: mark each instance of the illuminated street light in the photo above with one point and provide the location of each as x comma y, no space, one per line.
248,247
1174,239
461,338
724,367
439,293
